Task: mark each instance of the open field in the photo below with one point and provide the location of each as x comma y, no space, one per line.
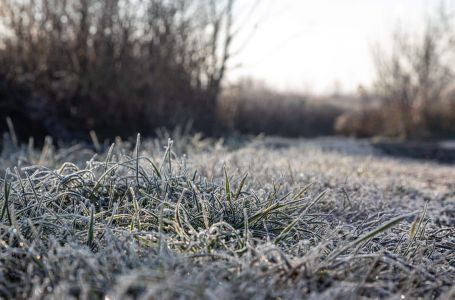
262,218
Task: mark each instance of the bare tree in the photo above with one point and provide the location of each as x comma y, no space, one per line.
414,75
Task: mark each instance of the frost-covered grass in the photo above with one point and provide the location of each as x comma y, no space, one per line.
201,219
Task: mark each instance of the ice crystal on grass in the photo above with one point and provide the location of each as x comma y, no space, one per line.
196,219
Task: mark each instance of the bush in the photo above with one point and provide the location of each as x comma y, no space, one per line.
361,124
118,66
251,107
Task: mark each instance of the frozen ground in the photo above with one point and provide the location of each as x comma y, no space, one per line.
225,220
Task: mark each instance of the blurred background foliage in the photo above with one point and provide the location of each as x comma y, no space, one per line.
124,66
114,66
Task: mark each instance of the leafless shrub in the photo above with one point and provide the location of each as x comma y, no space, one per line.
103,64
414,81
413,78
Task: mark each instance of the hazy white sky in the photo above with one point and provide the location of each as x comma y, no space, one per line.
310,44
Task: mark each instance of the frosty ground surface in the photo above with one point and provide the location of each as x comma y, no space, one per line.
258,218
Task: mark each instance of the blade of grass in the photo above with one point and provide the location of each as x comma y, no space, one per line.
6,194
98,182
138,145
227,187
239,189
288,228
369,235
12,131
303,191
245,233
24,198
417,223
91,226
95,141
34,191
260,215
167,158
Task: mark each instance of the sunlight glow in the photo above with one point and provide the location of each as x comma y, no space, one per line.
312,46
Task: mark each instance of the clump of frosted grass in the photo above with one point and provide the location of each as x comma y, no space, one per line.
191,218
